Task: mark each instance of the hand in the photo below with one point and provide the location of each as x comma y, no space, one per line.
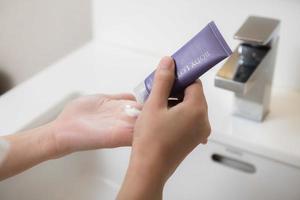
93,122
89,122
164,136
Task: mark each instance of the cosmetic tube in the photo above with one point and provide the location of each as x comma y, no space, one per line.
197,56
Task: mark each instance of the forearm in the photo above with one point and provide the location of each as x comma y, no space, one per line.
27,149
144,179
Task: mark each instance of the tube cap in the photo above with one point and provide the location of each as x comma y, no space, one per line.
141,93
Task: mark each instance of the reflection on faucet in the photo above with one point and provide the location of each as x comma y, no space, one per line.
249,71
249,58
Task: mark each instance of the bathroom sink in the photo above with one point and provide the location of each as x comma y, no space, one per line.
84,175
98,175
212,172
52,112
207,173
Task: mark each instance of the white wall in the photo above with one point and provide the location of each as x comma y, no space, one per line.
159,27
34,34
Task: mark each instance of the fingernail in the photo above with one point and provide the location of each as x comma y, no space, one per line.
166,63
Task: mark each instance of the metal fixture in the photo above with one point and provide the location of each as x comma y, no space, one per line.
249,71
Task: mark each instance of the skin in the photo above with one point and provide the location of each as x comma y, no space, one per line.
161,136
164,136
87,123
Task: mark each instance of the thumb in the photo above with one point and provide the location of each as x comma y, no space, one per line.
163,82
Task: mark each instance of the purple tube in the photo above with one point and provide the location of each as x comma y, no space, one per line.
197,56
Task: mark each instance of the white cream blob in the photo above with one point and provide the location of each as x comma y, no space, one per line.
131,111
4,148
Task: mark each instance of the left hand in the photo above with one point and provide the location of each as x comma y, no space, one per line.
93,122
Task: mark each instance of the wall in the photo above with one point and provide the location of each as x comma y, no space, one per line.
35,34
160,27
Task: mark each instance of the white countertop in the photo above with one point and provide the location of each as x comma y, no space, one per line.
102,68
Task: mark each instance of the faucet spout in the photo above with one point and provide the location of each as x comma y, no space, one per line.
249,71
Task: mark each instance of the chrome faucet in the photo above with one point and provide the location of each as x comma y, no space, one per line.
249,71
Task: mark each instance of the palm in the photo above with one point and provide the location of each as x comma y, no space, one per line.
96,122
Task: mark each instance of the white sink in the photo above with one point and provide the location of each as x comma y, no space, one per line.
208,173
84,175
98,174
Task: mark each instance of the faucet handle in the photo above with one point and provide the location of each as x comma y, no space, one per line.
257,30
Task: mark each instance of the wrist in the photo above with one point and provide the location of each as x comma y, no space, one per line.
155,157
27,149
144,179
148,168
47,142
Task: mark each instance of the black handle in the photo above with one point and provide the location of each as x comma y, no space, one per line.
233,163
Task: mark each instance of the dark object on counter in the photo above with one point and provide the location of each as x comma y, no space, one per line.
5,83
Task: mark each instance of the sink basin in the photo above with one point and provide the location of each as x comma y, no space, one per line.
209,172
215,171
83,175
52,113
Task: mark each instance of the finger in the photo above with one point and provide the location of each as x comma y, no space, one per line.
163,82
122,96
194,93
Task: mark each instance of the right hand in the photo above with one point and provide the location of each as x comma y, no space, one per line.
164,135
